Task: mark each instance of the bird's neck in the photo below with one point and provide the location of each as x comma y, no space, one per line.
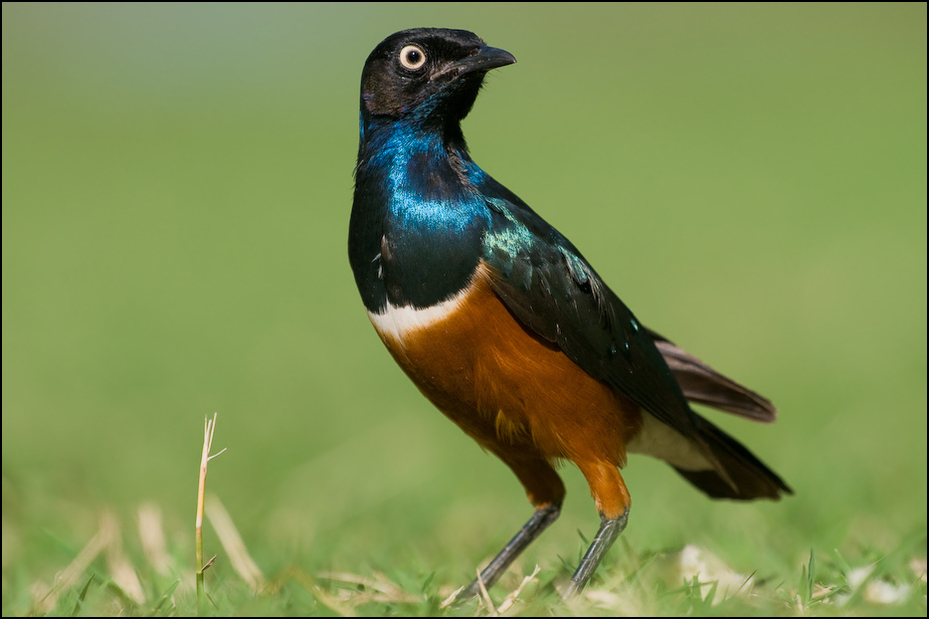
418,217
386,143
415,167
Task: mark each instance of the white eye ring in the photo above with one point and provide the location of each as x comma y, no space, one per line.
412,57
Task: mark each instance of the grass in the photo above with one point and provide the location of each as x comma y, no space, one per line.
141,578
750,179
132,568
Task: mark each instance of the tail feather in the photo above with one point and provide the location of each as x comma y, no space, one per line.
729,470
704,385
748,477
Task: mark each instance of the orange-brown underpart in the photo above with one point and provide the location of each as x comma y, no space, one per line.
520,397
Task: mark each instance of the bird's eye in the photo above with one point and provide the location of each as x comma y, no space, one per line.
412,57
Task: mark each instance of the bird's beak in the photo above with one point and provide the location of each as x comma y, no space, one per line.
484,60
488,58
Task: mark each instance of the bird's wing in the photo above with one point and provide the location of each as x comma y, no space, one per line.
547,284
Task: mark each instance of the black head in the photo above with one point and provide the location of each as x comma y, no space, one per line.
427,72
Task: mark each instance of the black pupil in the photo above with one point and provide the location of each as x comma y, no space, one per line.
413,56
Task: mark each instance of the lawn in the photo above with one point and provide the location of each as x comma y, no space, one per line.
177,180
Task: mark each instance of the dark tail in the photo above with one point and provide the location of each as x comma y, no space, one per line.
704,385
738,473
749,477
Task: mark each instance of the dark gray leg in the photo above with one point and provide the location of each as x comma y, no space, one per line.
610,528
541,519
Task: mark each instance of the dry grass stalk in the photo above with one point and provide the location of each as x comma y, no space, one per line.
209,426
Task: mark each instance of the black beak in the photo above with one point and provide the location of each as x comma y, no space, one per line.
484,60
488,58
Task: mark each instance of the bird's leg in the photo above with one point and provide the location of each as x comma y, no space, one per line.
610,528
546,492
541,519
613,502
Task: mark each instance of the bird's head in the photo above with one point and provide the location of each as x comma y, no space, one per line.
430,76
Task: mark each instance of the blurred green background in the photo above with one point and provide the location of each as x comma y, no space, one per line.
177,181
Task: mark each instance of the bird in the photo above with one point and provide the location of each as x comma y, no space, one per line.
502,323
